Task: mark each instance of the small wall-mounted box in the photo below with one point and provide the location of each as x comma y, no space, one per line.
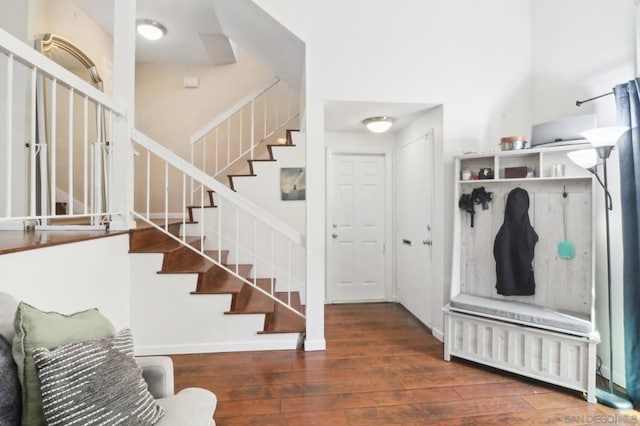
191,82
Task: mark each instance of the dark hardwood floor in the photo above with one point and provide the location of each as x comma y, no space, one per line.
381,367
15,241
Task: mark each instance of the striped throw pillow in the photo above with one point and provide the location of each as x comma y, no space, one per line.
95,382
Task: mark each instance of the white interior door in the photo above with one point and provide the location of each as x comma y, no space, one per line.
415,195
356,228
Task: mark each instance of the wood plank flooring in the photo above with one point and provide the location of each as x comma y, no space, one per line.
381,367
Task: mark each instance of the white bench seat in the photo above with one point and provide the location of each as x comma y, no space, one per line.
519,312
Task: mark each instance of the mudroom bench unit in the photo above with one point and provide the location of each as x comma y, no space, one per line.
549,335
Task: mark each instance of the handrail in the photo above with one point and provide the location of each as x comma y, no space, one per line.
195,173
53,133
248,150
32,58
246,100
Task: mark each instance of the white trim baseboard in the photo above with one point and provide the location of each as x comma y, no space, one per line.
315,345
438,334
12,225
287,341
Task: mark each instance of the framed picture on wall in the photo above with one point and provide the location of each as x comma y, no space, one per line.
292,183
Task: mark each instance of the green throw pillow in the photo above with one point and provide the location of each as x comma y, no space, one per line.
95,382
37,329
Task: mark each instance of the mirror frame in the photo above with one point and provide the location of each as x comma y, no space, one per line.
49,41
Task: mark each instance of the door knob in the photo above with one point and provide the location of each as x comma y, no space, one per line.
334,235
427,242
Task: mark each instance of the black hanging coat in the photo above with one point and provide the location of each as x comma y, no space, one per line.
513,248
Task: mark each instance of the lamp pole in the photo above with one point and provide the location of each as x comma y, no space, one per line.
606,210
603,140
609,398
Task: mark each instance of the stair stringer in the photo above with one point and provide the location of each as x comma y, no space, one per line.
168,319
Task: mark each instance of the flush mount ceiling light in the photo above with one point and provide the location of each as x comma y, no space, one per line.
150,29
378,124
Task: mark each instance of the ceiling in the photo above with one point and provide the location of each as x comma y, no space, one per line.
347,116
194,35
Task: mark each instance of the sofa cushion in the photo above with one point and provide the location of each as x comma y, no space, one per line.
191,406
34,329
96,381
10,400
8,307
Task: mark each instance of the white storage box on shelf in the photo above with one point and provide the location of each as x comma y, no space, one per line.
550,336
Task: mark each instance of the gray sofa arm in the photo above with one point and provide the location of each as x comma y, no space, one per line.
157,371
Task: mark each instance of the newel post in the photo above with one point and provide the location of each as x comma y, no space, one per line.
124,51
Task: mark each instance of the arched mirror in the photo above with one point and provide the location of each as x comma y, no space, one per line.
67,54
78,140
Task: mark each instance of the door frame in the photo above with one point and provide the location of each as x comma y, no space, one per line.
389,252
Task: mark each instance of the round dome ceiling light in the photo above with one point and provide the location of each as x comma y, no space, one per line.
379,124
150,29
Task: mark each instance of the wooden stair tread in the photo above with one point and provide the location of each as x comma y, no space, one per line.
295,300
198,264
221,281
201,207
282,320
225,284
166,246
254,302
146,234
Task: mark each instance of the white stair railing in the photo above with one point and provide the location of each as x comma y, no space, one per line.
237,133
251,234
64,160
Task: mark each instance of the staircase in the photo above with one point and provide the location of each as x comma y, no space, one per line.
226,277
213,279
270,148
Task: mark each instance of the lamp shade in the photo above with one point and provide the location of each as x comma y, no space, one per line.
585,158
378,124
604,136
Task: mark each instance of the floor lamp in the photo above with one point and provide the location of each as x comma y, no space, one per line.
603,140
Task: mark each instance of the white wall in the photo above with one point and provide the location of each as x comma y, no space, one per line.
64,18
264,190
472,57
495,66
581,49
72,277
14,20
14,17
170,113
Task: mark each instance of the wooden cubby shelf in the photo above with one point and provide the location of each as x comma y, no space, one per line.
521,334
